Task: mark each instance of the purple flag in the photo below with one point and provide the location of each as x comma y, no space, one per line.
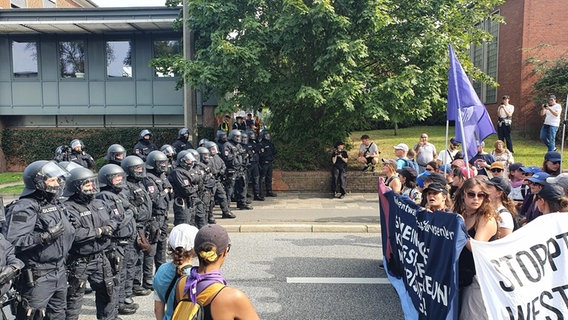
465,108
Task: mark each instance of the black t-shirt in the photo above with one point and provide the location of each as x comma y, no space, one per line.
340,163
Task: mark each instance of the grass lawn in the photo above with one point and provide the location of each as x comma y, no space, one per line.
8,177
529,152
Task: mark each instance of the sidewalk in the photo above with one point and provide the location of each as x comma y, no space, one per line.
299,212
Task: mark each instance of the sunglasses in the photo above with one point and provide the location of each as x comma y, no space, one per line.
555,162
496,170
526,174
480,195
429,169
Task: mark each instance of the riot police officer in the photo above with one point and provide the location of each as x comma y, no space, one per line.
182,141
140,265
209,183
112,180
10,266
185,183
87,258
144,145
38,228
156,167
267,153
79,156
115,154
252,148
220,138
235,183
218,168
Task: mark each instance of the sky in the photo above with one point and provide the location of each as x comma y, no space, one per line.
129,3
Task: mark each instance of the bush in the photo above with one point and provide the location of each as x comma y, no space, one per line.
23,146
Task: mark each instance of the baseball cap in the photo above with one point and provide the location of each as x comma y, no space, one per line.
401,146
436,187
464,172
435,177
447,168
539,177
420,179
458,156
182,235
458,163
480,144
551,97
515,166
390,161
552,156
561,179
407,172
499,183
531,169
209,236
551,192
454,142
497,165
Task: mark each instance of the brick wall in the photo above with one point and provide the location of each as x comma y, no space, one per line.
320,181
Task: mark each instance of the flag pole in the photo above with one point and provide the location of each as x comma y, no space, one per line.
563,134
464,143
447,131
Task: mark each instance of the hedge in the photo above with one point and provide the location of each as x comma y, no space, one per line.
23,146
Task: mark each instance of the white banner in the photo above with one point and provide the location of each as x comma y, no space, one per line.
525,274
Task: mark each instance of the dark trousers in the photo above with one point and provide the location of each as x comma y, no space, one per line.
220,197
99,274
235,185
130,258
266,177
254,178
47,296
162,244
504,134
338,180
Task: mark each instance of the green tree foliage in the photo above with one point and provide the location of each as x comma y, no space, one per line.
553,80
322,67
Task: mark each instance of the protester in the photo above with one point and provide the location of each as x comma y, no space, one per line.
407,177
551,164
551,198
339,160
425,152
368,153
499,188
448,155
437,197
212,245
400,151
529,211
482,160
516,180
501,154
561,180
551,112
473,204
392,179
181,243
497,169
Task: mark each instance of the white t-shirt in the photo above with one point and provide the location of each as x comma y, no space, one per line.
373,149
551,119
509,108
447,156
506,217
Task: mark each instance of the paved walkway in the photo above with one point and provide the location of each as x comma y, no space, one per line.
299,212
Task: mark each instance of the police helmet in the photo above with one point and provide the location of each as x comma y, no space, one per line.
68,166
204,154
213,148
221,134
45,176
145,132
116,153
182,132
194,153
81,181
77,143
157,160
61,150
244,138
251,134
185,159
265,135
134,167
168,150
202,142
235,135
112,175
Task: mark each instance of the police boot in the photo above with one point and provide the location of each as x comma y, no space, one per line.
126,309
141,291
211,219
244,206
228,215
258,198
271,194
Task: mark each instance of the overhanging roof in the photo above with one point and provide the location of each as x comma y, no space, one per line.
87,20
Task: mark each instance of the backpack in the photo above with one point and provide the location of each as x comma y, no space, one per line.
185,309
410,163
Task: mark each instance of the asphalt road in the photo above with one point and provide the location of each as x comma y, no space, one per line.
313,276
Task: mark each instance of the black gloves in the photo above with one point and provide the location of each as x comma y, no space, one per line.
53,232
7,273
104,231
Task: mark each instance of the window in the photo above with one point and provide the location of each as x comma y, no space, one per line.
24,59
119,59
485,57
166,49
72,59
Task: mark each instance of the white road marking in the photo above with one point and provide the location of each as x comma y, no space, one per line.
337,280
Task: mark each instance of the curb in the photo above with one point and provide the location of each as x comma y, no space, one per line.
305,228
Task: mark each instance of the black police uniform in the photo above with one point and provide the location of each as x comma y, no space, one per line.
122,241
235,183
218,169
186,199
87,257
81,158
207,193
253,170
143,147
181,144
267,153
141,264
9,265
43,284
160,206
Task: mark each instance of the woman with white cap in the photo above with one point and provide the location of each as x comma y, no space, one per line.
181,242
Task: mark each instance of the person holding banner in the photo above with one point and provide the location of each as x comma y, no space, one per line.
551,198
473,204
437,197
